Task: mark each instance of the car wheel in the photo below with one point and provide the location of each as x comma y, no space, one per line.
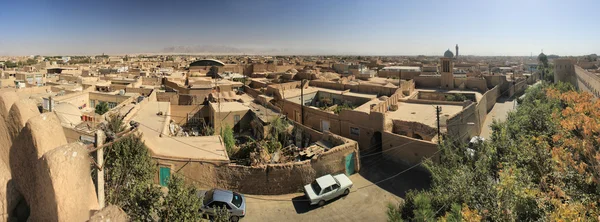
321,203
346,192
235,218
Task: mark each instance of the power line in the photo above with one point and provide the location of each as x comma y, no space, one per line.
141,124
372,184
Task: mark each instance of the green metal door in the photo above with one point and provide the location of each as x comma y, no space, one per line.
165,174
350,164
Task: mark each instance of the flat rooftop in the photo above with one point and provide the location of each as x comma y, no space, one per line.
478,95
296,92
151,125
423,113
263,113
366,108
229,107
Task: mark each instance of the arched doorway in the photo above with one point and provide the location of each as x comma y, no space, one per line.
376,142
417,136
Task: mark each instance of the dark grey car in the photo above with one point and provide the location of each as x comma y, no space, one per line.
217,198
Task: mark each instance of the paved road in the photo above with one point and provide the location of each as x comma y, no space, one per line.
499,113
367,204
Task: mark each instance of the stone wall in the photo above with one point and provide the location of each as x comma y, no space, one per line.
270,179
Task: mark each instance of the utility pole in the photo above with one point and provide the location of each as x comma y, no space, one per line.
302,101
399,77
99,140
219,104
438,111
50,104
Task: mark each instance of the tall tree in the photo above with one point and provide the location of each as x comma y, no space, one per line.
129,178
543,59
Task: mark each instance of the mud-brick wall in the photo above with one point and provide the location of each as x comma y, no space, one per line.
271,179
408,150
427,81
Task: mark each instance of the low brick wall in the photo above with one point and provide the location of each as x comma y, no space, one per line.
270,179
252,92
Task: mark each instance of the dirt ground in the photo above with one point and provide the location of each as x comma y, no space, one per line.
366,202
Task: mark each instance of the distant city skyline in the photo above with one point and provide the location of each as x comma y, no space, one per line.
350,27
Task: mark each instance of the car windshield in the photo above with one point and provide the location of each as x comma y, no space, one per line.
208,197
316,187
237,199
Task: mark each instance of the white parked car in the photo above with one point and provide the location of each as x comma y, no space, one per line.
327,187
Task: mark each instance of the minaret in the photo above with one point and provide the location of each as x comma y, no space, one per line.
457,51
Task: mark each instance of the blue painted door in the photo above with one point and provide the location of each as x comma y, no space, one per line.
165,174
350,164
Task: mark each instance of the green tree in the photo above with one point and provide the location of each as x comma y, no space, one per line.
115,123
394,214
102,108
539,165
227,135
182,202
423,211
129,178
543,59
10,64
222,215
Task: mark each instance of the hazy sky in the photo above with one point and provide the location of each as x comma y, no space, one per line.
375,27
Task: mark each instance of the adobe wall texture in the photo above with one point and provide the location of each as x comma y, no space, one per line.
587,81
407,150
360,88
490,97
564,71
179,113
427,81
38,166
458,127
382,107
497,80
270,179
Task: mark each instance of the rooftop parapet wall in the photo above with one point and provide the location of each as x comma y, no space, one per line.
359,88
383,106
270,179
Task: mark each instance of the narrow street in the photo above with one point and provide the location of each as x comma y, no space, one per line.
366,204
499,113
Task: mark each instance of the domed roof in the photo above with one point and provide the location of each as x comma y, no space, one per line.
448,54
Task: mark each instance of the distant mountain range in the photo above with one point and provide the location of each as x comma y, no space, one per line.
219,49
